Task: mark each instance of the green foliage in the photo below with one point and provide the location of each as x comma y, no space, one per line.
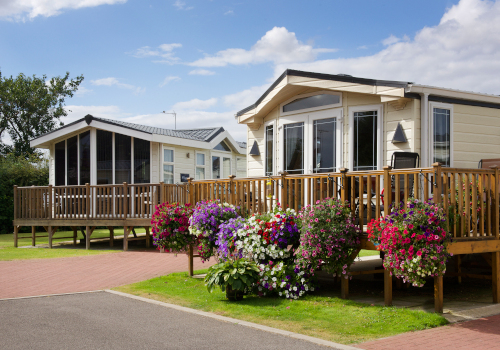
32,106
20,171
239,274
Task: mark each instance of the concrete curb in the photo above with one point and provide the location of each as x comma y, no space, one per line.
238,322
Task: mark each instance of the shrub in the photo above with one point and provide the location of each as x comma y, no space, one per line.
328,237
414,238
204,224
170,227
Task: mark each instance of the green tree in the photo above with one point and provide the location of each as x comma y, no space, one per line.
30,107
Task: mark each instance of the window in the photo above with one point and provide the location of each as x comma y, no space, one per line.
294,148
200,166
104,145
269,150
72,161
222,147
311,102
168,166
365,140
441,136
216,167
324,143
60,163
141,161
241,167
123,158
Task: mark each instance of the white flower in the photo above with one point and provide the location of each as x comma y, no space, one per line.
295,288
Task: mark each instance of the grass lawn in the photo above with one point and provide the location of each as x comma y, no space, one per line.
321,314
364,252
8,252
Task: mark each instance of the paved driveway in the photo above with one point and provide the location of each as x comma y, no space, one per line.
107,321
23,278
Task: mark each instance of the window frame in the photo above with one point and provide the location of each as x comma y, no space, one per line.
200,166
379,108
163,162
312,109
439,105
273,156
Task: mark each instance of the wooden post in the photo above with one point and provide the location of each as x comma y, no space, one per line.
87,237
125,201
75,235
50,202
495,203
437,184
87,201
49,231
111,235
125,238
191,262
16,233
232,198
387,194
495,276
191,191
33,236
438,294
387,288
148,237
284,189
15,203
458,267
344,287
162,192
344,190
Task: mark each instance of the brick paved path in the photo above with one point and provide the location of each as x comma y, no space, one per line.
23,278
483,333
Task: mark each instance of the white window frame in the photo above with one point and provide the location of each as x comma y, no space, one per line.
275,134
439,105
163,162
380,132
308,120
307,110
200,166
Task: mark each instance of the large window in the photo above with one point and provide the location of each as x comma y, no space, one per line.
72,161
85,158
168,166
104,145
294,148
200,166
324,143
222,147
365,140
269,150
60,166
441,136
141,161
216,171
123,158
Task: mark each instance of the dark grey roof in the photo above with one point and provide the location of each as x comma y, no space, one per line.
336,77
204,134
242,144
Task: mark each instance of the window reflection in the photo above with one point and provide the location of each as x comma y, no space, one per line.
442,136
365,140
294,148
324,145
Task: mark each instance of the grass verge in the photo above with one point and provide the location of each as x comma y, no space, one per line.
321,314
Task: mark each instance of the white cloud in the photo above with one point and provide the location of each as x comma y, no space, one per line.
181,5
82,90
195,104
244,98
77,112
391,40
230,12
168,80
29,9
164,51
461,52
201,72
364,47
115,82
278,45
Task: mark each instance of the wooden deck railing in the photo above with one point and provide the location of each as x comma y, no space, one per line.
469,196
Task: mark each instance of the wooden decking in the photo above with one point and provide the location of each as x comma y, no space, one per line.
471,196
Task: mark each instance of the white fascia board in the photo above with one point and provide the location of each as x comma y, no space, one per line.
226,135
464,95
121,130
44,141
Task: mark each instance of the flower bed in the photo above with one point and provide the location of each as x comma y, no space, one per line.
414,240
170,227
328,237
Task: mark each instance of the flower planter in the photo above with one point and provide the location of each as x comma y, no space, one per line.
233,295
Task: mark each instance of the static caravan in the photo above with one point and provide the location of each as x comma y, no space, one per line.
309,123
101,151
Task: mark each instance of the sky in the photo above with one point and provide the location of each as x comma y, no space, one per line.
206,60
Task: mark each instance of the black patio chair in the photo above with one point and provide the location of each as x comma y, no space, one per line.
404,160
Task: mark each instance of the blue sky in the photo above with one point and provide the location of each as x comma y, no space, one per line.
208,59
